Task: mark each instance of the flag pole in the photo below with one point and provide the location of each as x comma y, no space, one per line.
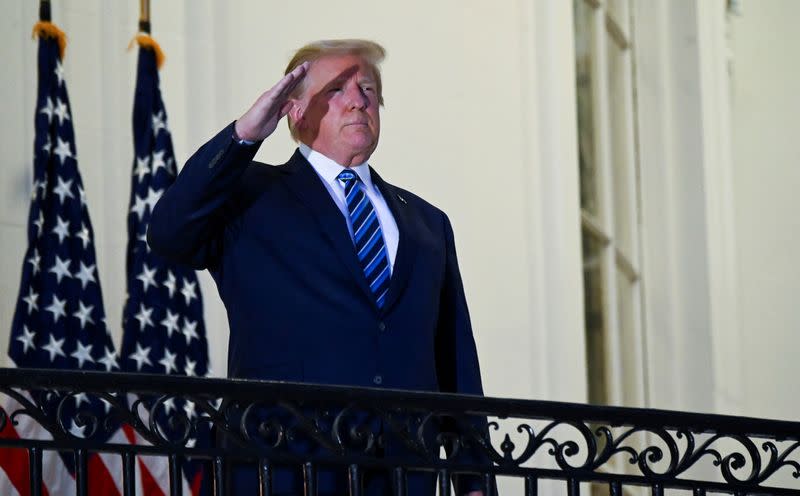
44,10
144,16
143,39
46,29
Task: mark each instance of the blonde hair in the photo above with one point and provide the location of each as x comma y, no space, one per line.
372,53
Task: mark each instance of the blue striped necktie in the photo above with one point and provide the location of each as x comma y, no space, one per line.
367,236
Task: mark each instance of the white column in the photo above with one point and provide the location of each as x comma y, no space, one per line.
553,200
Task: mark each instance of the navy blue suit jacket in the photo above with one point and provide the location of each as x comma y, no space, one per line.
298,303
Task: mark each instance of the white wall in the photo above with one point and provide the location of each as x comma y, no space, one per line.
766,105
479,100
675,132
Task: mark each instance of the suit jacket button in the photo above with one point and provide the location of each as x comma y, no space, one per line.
381,326
377,380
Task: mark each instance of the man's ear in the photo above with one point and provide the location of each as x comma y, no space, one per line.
296,112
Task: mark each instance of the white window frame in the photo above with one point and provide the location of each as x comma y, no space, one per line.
624,366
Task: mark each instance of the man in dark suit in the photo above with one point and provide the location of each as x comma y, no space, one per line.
329,274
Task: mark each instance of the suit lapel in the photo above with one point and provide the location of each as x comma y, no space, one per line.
307,186
407,245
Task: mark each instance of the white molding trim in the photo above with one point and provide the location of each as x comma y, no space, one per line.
688,243
550,120
715,88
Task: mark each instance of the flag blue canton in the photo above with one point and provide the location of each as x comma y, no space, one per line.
59,321
163,329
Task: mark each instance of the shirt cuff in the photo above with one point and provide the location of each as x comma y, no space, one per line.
239,140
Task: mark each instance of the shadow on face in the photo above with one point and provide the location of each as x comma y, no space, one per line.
318,103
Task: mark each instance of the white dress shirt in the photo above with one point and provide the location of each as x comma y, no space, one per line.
328,170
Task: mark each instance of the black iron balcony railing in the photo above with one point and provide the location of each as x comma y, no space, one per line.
260,422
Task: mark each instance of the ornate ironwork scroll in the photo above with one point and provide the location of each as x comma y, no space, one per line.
402,430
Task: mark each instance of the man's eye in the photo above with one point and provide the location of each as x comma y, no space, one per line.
334,89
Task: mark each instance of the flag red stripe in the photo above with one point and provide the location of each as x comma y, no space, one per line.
149,485
100,479
15,463
197,483
130,434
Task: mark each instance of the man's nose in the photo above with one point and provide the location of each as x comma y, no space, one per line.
356,98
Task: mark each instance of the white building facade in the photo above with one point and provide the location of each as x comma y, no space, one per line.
638,159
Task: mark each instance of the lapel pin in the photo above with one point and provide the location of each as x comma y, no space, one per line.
402,199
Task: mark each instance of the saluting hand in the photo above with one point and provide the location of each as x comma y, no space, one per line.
262,118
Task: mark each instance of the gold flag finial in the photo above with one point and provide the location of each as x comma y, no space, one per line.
148,43
46,29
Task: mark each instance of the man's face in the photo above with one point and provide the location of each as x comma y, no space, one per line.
338,112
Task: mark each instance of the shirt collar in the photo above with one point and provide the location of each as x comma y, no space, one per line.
329,169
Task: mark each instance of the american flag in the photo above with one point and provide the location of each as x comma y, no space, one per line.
59,321
163,329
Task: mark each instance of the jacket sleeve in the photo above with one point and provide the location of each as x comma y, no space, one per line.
187,222
457,365
456,356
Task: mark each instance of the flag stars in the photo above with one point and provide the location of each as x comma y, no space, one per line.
170,283
170,322
57,309
84,314
31,300
188,291
27,339
147,276
141,356
169,405
59,72
158,161
189,409
42,184
82,195
36,261
142,167
48,110
60,268
77,431
47,147
86,274
84,236
153,197
83,354
139,206
63,150
39,223
143,238
189,330
109,360
169,361
159,122
144,317
54,347
63,189
189,368
35,190
81,398
62,229
61,111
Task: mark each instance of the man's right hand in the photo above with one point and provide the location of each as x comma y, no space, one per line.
262,118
